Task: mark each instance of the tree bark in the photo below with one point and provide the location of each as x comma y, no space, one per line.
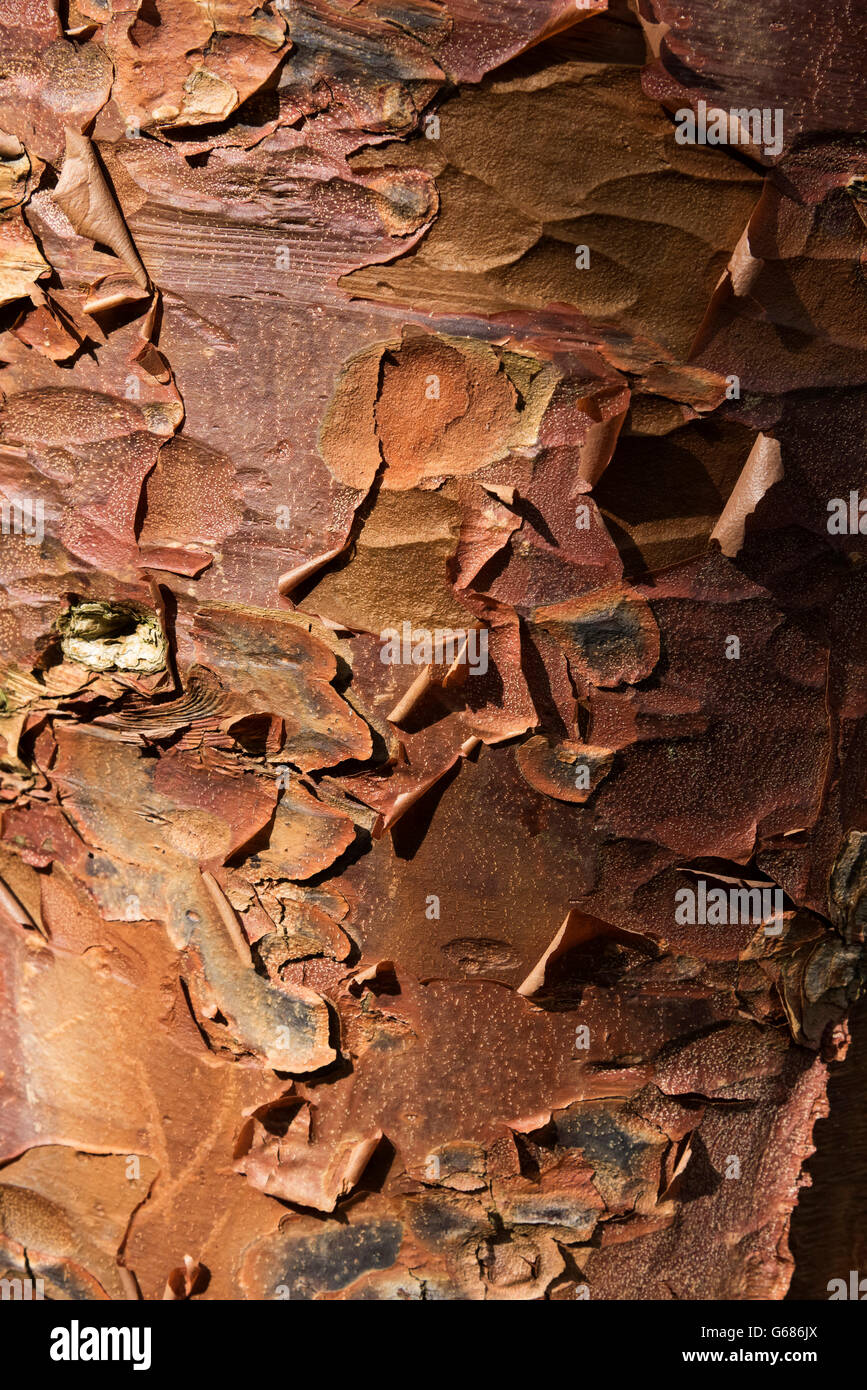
434,843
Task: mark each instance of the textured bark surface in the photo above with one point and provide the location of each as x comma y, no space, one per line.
337,963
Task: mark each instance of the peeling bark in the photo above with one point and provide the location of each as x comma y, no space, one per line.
432,718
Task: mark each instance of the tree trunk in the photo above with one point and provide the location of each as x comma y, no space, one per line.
434,846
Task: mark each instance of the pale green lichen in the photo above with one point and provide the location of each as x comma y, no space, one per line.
113,636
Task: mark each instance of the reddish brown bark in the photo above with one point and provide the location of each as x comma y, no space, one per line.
339,961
